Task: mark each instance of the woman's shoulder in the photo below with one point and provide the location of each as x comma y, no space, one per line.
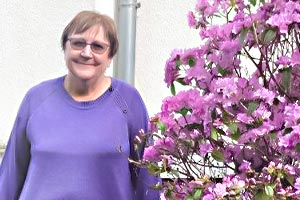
43,89
128,93
36,95
46,86
123,87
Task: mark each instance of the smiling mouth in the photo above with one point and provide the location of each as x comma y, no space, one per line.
82,63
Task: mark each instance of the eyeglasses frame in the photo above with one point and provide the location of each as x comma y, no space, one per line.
106,46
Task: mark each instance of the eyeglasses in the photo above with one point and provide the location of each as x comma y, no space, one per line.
80,44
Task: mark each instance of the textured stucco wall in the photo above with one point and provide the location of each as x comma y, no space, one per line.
161,27
29,50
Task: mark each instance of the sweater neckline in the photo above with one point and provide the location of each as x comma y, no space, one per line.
85,104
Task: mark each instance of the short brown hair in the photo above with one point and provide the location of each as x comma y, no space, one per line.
85,20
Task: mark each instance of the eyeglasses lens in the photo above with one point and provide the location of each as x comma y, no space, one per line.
80,44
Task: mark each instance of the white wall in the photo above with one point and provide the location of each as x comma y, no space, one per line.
161,27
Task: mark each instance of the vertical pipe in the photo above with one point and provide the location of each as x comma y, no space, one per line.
124,65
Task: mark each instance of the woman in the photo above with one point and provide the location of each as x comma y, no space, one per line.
73,135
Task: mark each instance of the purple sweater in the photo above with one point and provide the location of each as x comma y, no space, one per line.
63,149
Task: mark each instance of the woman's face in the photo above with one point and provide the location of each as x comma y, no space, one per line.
87,62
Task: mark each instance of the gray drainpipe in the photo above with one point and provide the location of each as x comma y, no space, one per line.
124,64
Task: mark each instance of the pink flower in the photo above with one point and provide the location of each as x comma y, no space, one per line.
171,72
295,60
226,91
281,21
208,197
194,53
291,139
292,114
206,7
220,190
166,143
297,184
191,19
264,94
283,60
151,154
230,47
204,149
244,118
200,74
245,166
194,134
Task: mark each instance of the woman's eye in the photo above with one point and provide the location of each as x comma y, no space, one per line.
79,43
98,46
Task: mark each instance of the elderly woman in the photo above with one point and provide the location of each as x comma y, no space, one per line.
73,136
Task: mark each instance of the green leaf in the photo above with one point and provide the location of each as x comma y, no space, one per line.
221,71
197,194
252,107
169,193
276,101
269,190
218,155
235,136
214,134
286,79
235,131
190,197
269,35
153,168
192,62
253,2
290,179
242,36
195,126
271,170
209,65
273,135
287,130
233,127
178,62
225,116
181,81
184,111
221,132
297,147
213,114
261,195
161,126
173,90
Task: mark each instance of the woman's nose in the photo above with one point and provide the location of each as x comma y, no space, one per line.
86,52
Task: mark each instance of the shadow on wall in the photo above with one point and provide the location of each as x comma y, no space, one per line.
2,148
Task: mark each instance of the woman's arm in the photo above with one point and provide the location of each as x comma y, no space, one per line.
142,181
16,158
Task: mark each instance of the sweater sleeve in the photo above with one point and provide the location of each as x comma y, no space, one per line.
141,179
16,158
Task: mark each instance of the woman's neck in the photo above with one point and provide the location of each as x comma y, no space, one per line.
86,90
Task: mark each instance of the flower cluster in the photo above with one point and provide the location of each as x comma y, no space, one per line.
233,132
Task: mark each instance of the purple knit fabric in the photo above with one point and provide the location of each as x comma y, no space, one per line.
63,149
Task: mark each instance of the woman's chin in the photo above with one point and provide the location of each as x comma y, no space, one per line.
85,75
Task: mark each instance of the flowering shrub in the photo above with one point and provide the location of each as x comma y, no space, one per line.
233,131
